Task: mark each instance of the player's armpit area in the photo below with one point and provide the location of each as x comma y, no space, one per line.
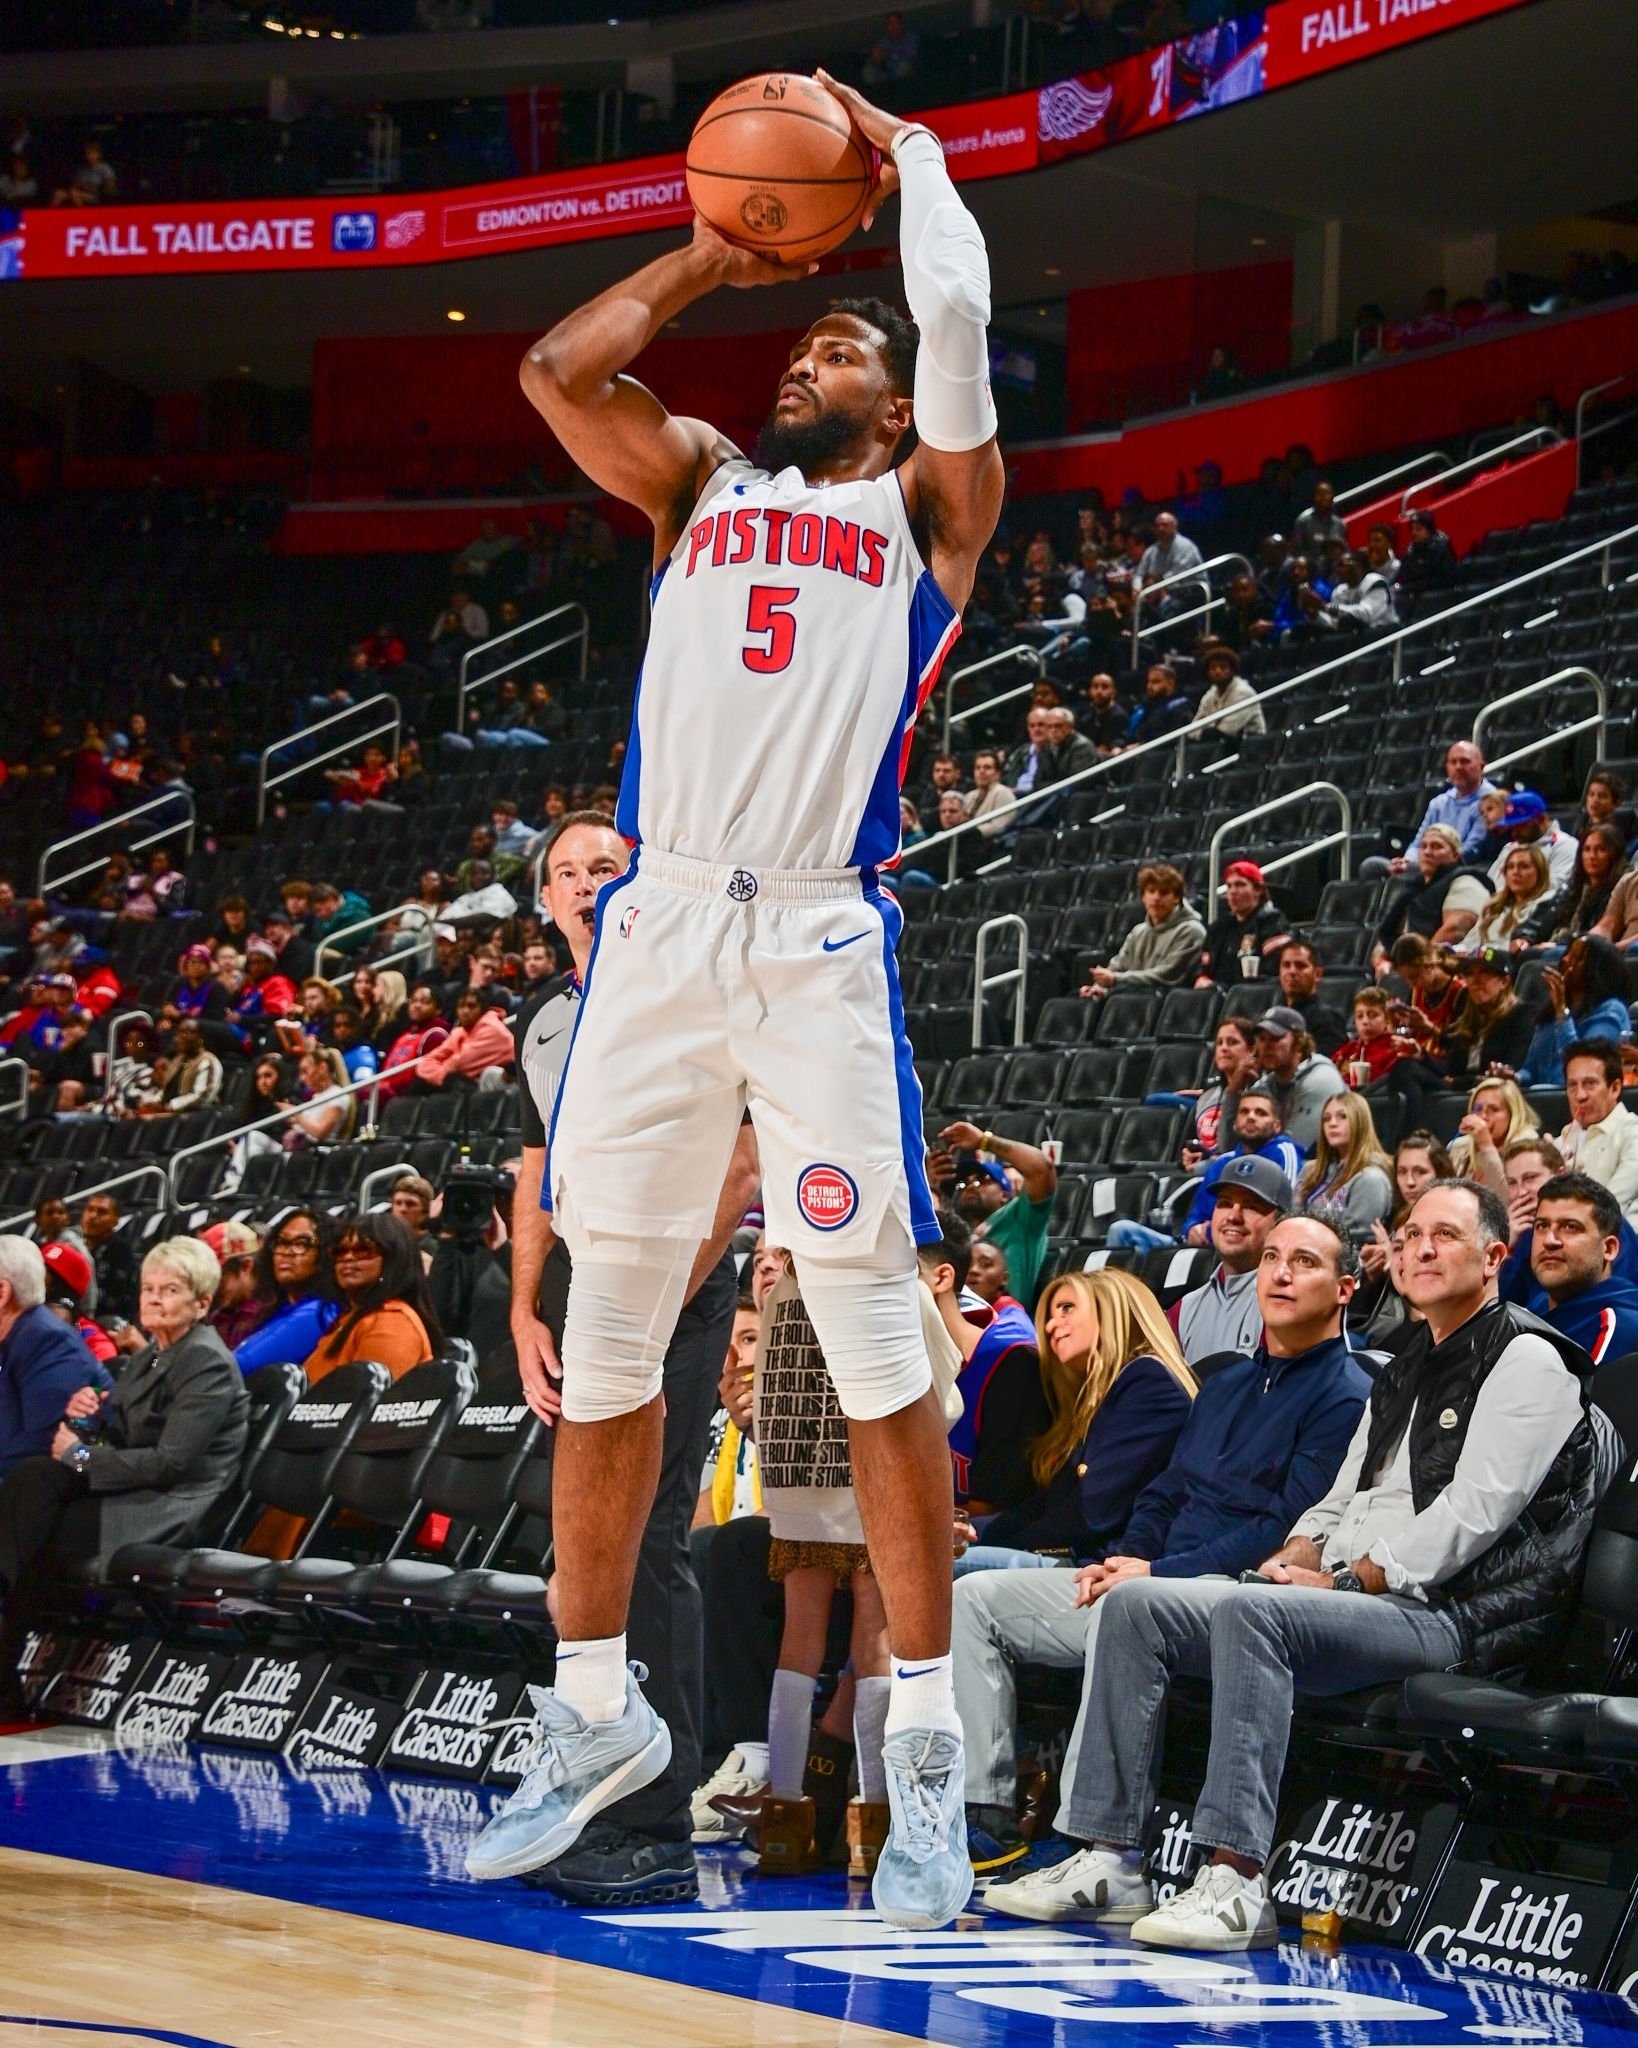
955,500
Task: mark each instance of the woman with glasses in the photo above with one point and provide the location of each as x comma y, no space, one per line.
386,1305
142,1464
293,1285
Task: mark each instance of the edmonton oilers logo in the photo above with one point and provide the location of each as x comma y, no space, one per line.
827,1197
742,885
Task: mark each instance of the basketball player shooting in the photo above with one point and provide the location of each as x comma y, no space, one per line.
802,607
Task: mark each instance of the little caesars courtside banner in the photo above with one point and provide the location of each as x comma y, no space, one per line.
1262,50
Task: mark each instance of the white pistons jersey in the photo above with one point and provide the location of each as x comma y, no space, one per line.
796,635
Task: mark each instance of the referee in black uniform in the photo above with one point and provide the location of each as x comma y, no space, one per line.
640,1851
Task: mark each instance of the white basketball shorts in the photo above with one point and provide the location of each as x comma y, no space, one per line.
715,989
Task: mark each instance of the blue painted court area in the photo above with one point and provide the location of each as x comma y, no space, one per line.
389,1848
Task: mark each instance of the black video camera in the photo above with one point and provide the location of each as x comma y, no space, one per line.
469,1194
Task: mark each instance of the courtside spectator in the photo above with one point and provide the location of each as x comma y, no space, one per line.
1222,1317
236,1311
1300,1079
1243,941
1575,1242
295,1301
1478,1527
1528,1165
1601,1138
170,1437
1263,1442
44,1361
1119,1392
386,1307
1159,952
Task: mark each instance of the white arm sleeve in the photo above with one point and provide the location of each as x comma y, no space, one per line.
947,282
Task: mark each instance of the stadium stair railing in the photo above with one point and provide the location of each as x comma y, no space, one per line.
354,740
1201,574
110,829
469,683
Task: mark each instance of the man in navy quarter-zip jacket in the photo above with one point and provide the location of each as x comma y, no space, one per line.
1264,1441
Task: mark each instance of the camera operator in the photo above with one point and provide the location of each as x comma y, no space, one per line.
640,1849
471,1271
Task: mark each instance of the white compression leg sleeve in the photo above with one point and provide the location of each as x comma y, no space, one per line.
947,282
624,1299
867,1318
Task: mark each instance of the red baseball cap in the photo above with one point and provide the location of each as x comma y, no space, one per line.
1248,868
67,1263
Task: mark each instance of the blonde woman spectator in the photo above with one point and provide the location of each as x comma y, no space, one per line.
1526,884
1498,1112
1119,1391
1349,1180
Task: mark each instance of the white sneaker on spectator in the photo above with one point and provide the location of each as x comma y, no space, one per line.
1220,1910
1093,1884
730,1780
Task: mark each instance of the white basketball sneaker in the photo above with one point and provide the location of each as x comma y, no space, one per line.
1220,1910
1093,1884
924,1875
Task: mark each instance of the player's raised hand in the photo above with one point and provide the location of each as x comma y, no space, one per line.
878,129
743,268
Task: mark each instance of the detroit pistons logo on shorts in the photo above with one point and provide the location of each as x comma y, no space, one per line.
827,1197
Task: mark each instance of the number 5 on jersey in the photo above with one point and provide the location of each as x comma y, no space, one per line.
769,612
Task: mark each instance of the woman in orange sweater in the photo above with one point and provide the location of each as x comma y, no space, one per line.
387,1312
387,1315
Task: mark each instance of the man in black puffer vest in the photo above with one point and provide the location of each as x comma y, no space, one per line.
1453,1538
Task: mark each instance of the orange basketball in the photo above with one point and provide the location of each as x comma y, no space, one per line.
775,164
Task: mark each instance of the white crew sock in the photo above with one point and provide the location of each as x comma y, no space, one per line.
754,1756
591,1676
870,1697
790,1724
923,1695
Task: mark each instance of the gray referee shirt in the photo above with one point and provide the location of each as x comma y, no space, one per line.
542,1035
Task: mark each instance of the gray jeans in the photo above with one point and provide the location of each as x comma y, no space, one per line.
1256,1644
1001,1619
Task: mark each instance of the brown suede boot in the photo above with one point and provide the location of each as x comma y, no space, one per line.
785,1838
867,1825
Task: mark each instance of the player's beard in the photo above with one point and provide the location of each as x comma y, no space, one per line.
808,441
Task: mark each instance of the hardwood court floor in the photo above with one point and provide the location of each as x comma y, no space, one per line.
125,1951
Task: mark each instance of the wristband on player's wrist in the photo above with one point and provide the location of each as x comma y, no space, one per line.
901,135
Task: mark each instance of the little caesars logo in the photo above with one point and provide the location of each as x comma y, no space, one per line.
1174,1855
452,1730
260,1706
1516,1928
344,1731
89,1688
1355,1863
168,1710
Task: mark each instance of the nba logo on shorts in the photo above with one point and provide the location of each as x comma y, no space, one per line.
628,917
827,1197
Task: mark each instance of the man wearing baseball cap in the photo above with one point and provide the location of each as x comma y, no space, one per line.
42,1361
1223,1317
1243,941
1300,1080
70,1279
1527,822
